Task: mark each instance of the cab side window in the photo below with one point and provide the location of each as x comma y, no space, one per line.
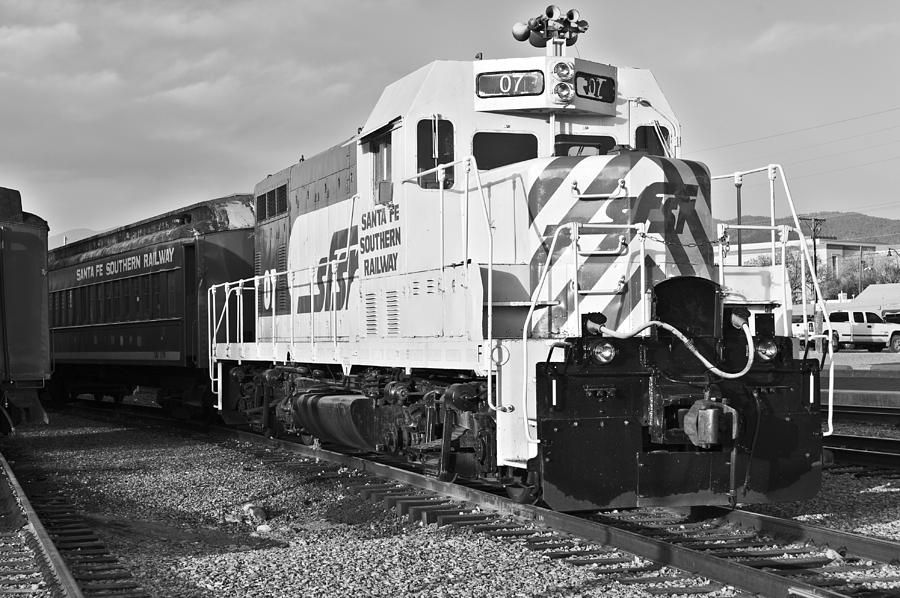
840,316
380,148
858,318
873,318
434,146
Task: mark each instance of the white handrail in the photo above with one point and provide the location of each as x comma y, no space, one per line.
472,164
527,325
772,170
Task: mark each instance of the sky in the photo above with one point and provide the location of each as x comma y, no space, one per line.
117,110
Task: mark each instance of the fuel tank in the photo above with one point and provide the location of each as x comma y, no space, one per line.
346,420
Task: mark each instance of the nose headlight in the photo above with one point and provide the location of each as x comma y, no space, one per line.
603,352
767,350
563,71
564,92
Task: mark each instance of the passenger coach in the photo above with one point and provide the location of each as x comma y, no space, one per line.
127,306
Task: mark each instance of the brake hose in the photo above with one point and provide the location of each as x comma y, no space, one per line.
687,343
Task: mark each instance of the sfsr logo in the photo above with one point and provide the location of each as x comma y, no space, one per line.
331,282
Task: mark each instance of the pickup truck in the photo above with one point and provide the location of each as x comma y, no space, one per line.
858,328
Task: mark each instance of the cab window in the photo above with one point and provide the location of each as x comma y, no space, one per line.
840,316
873,318
583,145
493,150
647,140
858,318
381,156
434,146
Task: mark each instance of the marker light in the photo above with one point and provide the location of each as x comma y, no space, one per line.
767,350
564,91
603,352
563,71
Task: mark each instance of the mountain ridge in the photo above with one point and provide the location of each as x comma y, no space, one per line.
852,227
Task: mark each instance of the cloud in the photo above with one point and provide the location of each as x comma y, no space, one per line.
22,45
783,36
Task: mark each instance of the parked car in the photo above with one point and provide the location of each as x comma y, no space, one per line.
864,329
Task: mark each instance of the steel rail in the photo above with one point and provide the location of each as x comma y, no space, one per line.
64,578
861,413
721,570
865,450
788,529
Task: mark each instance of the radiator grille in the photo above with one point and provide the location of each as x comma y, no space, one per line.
371,306
392,312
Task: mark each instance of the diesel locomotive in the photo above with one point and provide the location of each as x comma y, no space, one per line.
508,274
25,360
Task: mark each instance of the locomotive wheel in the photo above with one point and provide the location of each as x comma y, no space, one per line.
524,488
523,494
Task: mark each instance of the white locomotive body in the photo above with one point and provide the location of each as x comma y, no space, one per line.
508,250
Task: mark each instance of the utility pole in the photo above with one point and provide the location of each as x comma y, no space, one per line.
815,225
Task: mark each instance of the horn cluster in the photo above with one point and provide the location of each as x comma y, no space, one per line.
551,25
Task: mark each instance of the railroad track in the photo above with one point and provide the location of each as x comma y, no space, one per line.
865,450
30,564
756,553
656,548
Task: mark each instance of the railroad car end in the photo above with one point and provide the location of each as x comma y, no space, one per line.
25,359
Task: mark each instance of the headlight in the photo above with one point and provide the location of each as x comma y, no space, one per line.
564,92
603,352
563,71
767,350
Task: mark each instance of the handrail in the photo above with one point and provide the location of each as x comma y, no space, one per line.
471,164
772,171
527,325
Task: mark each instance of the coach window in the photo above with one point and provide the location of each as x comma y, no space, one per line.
69,308
155,306
126,299
146,297
116,313
92,304
171,292
493,150
108,298
434,146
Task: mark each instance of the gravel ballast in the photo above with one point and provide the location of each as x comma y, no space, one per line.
171,506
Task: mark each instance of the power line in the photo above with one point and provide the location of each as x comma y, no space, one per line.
832,170
800,130
837,139
829,171
843,153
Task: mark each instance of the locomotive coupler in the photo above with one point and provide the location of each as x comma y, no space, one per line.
705,423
